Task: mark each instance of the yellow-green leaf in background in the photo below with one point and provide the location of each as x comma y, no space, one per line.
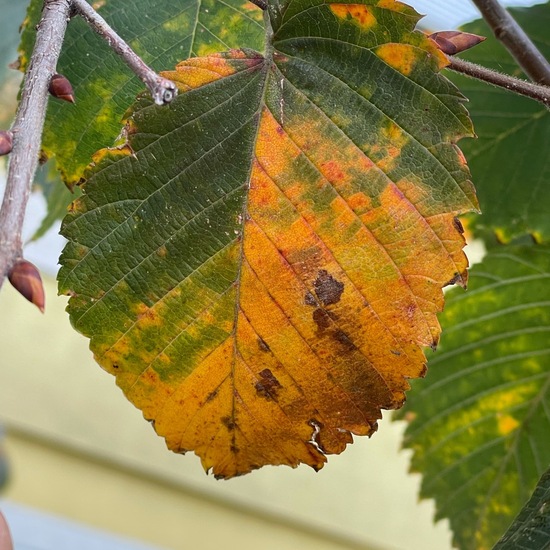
162,32
261,264
480,422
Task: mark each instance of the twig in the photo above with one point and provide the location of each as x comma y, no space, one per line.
27,130
522,87
514,38
162,89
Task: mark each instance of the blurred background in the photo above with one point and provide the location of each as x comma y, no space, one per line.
80,468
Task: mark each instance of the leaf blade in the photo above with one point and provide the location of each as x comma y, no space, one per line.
482,446
512,133
531,527
257,298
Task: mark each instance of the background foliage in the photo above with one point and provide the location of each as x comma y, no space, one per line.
479,422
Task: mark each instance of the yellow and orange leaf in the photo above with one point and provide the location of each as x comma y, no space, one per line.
262,264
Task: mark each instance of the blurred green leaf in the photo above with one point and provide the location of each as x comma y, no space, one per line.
12,17
480,421
531,529
510,162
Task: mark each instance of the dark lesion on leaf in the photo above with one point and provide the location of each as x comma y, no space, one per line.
457,278
341,337
458,225
229,423
328,289
211,396
323,319
263,345
309,299
267,386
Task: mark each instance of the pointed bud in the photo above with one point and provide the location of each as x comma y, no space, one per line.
61,88
26,279
453,42
6,142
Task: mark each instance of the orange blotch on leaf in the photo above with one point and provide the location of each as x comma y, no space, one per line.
401,57
332,171
199,71
360,202
361,15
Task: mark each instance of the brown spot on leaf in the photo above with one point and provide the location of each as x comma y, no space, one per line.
228,422
327,288
263,345
458,225
268,386
343,338
211,396
309,299
322,318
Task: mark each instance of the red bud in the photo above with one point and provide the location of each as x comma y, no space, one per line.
61,88
26,279
6,142
453,42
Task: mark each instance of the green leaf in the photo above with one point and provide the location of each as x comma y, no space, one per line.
531,529
162,32
263,261
509,162
479,423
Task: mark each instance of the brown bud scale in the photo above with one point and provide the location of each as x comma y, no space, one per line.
61,88
26,279
453,42
6,142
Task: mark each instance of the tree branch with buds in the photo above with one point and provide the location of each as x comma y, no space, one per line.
23,141
26,131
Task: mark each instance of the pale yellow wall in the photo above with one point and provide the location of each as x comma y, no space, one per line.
109,498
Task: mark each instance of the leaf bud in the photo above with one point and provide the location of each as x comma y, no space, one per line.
6,142
61,88
26,279
453,42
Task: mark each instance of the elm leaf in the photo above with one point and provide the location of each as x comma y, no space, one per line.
261,264
509,160
531,529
